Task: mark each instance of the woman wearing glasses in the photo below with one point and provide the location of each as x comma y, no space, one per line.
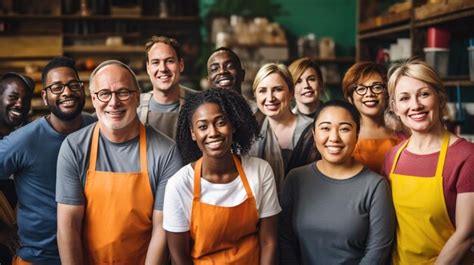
364,85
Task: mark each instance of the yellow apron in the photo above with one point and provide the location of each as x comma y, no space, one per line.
423,224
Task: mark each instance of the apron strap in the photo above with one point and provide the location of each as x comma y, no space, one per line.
242,175
143,157
94,147
145,107
142,148
397,156
442,155
197,178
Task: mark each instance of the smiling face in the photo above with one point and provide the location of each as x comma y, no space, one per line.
307,88
273,96
68,104
115,114
163,67
224,71
15,102
211,130
370,104
335,135
417,104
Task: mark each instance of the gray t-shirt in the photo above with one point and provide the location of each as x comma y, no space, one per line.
73,161
329,221
157,107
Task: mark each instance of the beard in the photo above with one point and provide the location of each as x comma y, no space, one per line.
67,116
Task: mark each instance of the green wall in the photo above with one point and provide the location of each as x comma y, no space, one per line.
333,18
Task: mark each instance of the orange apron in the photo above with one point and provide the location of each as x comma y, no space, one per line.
224,235
371,152
423,224
118,215
19,261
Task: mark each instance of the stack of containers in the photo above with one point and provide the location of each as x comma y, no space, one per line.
470,50
437,50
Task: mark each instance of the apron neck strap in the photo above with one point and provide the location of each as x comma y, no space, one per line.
441,159
442,154
95,146
197,178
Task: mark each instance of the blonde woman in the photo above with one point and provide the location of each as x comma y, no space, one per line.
308,82
364,85
431,174
281,129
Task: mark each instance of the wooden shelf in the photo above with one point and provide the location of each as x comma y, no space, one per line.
384,21
462,81
101,17
341,60
104,49
384,32
431,14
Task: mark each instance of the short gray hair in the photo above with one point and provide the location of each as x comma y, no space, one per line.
112,62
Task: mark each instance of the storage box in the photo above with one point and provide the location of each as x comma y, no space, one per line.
470,51
438,59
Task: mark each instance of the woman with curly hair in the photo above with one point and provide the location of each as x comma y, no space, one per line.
221,207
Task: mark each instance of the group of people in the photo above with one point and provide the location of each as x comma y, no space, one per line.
213,178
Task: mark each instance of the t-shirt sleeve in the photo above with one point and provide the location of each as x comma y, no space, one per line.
171,164
10,156
465,181
269,202
288,242
69,188
174,211
382,226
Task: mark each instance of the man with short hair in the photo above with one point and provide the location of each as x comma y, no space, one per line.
164,63
16,91
30,154
112,177
224,70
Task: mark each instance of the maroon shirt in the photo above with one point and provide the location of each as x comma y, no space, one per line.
458,172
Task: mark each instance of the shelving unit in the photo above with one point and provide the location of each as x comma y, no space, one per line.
377,29
29,40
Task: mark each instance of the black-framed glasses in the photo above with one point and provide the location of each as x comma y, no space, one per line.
58,88
376,89
105,95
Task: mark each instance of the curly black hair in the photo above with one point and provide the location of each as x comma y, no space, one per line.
235,109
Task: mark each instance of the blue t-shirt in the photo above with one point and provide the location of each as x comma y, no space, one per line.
30,154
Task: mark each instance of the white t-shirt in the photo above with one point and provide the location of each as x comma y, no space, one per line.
179,193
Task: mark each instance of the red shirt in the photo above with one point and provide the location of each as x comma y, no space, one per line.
458,172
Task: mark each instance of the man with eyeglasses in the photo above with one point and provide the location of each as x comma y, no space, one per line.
112,177
164,64
30,154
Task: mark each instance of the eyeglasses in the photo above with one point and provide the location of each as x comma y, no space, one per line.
58,88
105,95
376,89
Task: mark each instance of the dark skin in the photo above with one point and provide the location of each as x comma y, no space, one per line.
210,125
15,102
63,75
224,71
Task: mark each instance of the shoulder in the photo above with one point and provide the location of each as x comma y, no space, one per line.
80,138
88,118
297,174
28,133
145,97
158,138
183,178
303,119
